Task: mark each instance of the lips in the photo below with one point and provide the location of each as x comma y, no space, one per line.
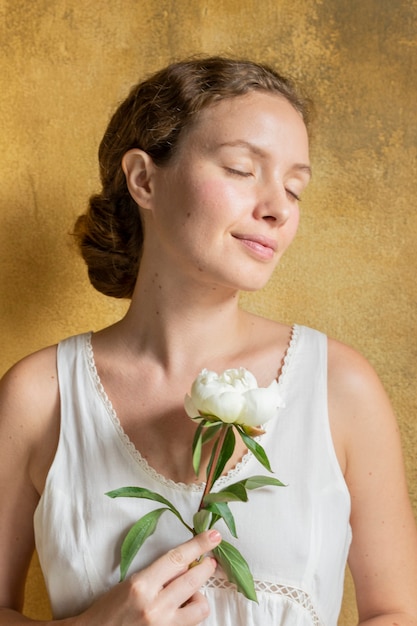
267,242
262,246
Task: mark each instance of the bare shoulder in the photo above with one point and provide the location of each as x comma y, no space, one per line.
348,370
30,384
29,406
356,394
359,406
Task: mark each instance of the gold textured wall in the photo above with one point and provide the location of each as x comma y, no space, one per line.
64,64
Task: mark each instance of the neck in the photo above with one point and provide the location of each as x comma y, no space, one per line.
181,324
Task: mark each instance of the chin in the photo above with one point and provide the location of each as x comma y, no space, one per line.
253,283
251,286
242,278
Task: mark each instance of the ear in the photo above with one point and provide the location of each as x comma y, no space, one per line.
138,168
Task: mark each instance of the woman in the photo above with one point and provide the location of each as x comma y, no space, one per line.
202,170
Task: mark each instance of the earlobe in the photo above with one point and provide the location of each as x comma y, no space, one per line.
138,168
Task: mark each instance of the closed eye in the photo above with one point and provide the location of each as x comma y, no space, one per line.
293,195
234,172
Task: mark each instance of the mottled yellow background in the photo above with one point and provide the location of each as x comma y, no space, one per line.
65,64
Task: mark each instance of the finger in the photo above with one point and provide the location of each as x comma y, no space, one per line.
184,586
183,590
177,560
195,611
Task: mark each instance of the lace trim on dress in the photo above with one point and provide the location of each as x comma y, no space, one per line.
282,376
134,452
298,596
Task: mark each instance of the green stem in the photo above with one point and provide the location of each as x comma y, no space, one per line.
209,483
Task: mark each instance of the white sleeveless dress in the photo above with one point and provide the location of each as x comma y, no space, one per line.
295,538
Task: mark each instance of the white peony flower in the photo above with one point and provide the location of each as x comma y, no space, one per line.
226,403
233,397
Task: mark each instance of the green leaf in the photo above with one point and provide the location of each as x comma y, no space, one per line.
222,510
135,538
226,452
214,517
211,430
197,447
147,494
201,520
228,494
254,482
236,569
210,419
255,448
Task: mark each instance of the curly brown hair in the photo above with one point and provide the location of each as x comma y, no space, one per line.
153,117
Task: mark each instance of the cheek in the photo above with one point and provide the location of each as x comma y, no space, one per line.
296,220
217,197
291,226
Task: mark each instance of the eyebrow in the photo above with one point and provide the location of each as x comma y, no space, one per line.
240,143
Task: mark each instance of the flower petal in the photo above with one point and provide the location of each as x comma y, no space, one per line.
226,406
190,407
261,405
239,379
206,385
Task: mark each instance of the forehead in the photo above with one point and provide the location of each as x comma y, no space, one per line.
262,119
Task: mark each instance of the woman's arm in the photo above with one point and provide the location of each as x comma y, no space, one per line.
28,404
164,594
383,555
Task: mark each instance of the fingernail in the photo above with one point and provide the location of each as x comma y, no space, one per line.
215,536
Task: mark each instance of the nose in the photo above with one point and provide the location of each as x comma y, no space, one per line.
275,204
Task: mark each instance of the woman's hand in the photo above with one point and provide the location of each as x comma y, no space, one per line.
164,594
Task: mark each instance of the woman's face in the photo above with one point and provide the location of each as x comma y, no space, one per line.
225,209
